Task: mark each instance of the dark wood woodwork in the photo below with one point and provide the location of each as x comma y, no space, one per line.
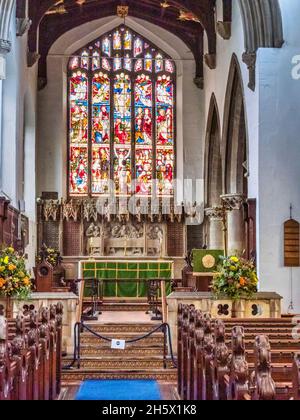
209,370
292,243
44,277
175,239
13,228
250,227
296,378
26,353
198,283
47,28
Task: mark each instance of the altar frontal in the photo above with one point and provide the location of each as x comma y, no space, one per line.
117,278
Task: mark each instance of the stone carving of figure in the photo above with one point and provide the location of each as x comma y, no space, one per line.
93,231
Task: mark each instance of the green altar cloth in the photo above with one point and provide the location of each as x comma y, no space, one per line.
109,271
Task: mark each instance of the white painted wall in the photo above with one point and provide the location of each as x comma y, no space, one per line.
18,126
52,105
279,151
273,140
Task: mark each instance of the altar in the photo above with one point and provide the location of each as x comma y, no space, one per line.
125,278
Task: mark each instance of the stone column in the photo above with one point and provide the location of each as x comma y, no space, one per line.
5,47
216,232
235,222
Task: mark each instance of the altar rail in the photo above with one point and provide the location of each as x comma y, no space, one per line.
208,369
93,292
31,355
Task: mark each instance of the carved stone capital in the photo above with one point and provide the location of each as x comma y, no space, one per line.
249,58
211,60
5,46
23,26
233,201
214,213
224,29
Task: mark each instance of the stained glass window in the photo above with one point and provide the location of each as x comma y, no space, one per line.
165,134
121,117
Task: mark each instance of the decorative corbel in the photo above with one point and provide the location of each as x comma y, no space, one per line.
224,29
32,58
211,61
23,26
249,58
199,82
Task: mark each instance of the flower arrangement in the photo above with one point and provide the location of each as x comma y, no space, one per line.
52,256
236,278
14,278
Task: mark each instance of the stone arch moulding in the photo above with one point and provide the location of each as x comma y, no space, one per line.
262,22
6,11
235,145
213,157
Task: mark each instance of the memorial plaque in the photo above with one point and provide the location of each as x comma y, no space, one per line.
291,243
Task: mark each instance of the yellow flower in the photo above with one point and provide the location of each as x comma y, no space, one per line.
233,268
234,259
6,260
10,250
2,269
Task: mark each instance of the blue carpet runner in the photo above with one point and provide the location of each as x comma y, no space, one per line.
119,390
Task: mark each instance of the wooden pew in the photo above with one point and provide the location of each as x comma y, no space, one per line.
264,387
238,381
296,378
221,362
30,356
209,369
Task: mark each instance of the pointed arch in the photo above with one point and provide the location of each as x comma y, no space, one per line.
235,136
213,157
262,21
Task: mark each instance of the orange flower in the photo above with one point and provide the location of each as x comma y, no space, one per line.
12,267
2,282
243,281
26,281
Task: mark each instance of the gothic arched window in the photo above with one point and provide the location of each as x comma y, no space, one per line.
121,117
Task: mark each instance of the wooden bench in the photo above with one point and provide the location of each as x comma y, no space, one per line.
233,361
30,356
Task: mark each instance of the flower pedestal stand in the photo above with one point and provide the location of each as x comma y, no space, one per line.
238,309
9,308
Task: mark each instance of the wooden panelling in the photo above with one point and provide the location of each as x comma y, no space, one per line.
291,243
175,239
51,234
72,238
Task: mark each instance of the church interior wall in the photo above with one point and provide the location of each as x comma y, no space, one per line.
279,151
18,127
273,148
